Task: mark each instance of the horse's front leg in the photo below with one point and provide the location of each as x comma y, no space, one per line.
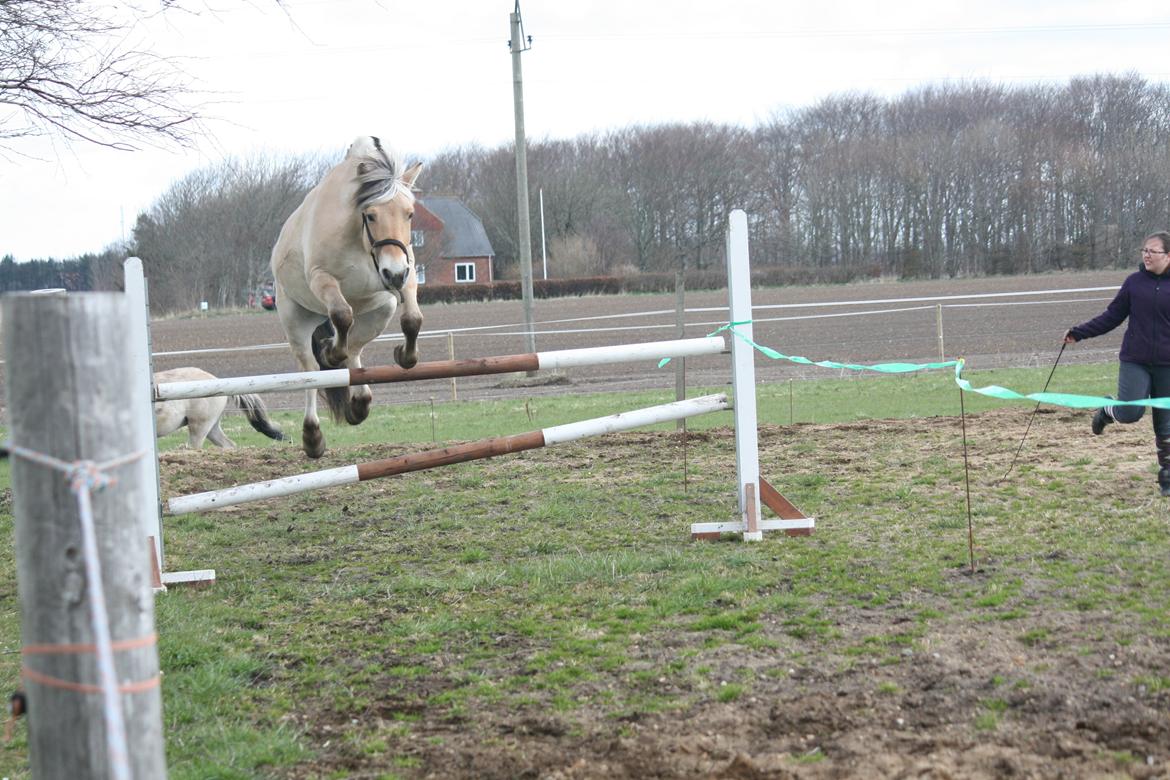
406,354
327,289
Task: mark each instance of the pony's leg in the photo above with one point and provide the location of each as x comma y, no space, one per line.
406,354
368,326
196,433
203,419
327,289
219,438
299,324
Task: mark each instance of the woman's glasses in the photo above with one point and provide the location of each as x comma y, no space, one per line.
1151,252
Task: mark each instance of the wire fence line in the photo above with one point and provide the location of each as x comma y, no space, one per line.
517,329
1013,328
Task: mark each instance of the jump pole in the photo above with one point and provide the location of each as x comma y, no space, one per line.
479,450
441,369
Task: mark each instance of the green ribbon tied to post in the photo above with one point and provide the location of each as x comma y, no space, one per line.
884,368
1071,400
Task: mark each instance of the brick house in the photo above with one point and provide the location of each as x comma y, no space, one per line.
450,244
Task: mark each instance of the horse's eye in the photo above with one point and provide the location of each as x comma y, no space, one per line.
368,217
410,215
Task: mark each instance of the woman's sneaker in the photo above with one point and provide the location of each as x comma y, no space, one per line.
1164,481
1101,418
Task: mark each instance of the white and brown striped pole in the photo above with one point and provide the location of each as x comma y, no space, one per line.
459,453
441,369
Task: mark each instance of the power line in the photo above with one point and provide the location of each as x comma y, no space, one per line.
866,33
432,44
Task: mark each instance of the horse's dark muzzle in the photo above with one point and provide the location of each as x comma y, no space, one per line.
393,281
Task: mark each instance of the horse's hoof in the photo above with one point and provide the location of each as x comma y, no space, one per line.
358,409
313,441
336,358
404,358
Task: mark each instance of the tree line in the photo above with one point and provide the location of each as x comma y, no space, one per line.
941,181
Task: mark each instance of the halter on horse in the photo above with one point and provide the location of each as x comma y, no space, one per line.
376,245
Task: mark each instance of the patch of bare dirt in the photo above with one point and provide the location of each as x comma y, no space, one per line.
823,721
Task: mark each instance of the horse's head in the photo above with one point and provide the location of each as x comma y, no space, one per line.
385,206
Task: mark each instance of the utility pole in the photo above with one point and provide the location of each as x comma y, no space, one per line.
543,246
519,43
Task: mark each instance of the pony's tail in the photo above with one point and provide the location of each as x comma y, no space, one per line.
257,415
336,398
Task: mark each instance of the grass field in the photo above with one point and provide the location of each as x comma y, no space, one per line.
545,614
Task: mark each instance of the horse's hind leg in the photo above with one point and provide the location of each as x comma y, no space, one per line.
406,354
299,324
197,432
219,438
203,421
312,440
336,398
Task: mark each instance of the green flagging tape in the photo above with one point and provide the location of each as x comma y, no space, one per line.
1071,400
1056,399
884,368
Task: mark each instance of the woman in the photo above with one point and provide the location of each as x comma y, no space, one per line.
1145,350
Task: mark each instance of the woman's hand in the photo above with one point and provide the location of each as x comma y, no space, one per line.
1069,338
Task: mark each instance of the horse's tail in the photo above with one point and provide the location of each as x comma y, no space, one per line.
257,414
336,398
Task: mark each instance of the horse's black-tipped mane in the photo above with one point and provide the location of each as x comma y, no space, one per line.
379,174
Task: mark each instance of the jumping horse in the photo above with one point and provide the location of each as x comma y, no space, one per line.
343,263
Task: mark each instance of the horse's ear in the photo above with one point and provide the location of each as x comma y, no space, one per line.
411,174
362,168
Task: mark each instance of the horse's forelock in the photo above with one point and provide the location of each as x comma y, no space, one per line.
379,178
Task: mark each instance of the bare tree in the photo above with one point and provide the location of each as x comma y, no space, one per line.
66,69
210,236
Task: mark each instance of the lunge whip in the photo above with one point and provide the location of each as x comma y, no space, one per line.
1032,416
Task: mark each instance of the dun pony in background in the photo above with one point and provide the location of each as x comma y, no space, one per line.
342,264
202,415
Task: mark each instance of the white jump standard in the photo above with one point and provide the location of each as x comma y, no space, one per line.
753,491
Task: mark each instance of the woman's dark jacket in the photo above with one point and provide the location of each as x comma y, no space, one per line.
1144,297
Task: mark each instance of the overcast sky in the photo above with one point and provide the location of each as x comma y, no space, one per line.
310,75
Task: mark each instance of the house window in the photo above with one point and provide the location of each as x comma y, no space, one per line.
421,273
418,237
465,272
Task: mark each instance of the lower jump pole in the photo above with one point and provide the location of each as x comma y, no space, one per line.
460,453
441,369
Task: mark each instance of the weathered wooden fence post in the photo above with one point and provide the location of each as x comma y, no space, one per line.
938,321
68,380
